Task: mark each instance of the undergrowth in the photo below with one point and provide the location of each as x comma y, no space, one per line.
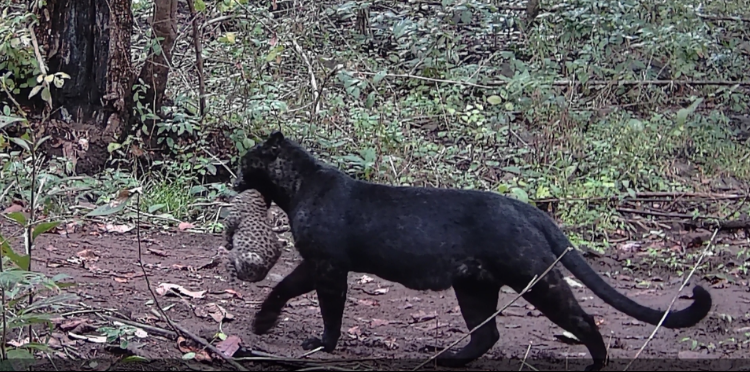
449,94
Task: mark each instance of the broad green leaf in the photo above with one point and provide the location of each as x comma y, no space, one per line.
188,356
43,228
520,194
683,113
19,217
156,207
200,6
379,76
494,100
46,95
108,209
7,120
21,142
113,146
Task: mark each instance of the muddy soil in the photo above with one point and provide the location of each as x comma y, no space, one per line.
385,325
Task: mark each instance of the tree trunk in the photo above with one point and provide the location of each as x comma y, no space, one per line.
155,71
90,41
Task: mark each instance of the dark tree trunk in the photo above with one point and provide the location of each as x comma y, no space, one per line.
90,41
155,71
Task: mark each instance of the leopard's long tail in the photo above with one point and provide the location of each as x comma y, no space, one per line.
574,262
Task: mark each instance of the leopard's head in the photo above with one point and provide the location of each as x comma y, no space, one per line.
274,167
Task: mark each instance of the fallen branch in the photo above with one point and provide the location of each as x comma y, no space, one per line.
152,329
669,308
722,224
723,18
533,282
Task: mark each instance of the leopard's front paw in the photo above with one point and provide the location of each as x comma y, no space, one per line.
264,321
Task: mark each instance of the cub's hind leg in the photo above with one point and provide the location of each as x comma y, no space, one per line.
554,298
478,301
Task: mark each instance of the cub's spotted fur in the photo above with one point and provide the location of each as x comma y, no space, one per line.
252,244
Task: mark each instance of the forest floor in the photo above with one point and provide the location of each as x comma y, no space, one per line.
384,323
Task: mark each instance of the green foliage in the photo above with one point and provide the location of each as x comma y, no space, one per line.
28,297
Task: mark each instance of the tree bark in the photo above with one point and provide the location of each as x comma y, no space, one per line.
90,41
155,71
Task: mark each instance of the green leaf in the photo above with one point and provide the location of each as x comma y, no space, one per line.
136,358
108,209
46,95
35,90
466,17
195,190
113,146
200,6
19,217
155,207
520,194
7,120
398,28
188,356
370,101
43,228
683,113
379,76
494,100
21,142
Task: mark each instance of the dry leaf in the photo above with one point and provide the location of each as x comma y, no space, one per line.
229,346
118,228
158,252
368,302
140,333
355,331
94,339
235,293
120,280
166,288
185,225
365,279
378,323
200,354
381,291
87,255
13,208
421,316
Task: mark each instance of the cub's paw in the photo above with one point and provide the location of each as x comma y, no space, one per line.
451,360
264,321
312,343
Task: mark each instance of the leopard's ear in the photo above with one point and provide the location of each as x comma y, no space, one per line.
275,137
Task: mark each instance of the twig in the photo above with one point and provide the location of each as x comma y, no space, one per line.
310,70
523,362
666,312
153,329
13,99
533,282
198,58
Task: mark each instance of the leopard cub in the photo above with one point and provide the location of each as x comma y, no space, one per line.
252,244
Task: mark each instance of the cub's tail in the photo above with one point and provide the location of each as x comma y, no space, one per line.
579,267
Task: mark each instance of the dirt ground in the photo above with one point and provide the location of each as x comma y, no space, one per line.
385,324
